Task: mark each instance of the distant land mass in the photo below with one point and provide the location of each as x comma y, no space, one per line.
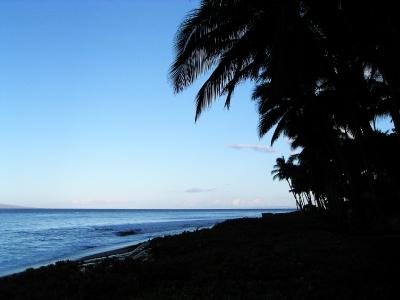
3,206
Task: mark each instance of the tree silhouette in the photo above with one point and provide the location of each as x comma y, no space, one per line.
323,72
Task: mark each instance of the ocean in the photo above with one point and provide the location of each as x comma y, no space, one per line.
36,237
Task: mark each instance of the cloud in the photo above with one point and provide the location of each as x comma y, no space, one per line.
259,148
199,190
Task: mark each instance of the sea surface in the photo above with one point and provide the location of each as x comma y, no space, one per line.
35,237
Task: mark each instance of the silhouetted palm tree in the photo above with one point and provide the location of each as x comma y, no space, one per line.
282,170
239,40
323,71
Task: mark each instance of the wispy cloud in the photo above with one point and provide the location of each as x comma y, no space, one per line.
255,147
199,190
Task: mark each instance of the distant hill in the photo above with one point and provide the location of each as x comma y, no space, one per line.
3,206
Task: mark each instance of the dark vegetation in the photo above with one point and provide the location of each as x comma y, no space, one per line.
323,73
288,256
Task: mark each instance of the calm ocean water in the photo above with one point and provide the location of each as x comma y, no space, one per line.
34,237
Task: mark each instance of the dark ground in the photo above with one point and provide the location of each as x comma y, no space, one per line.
288,256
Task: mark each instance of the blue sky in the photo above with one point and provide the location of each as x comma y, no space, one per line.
88,118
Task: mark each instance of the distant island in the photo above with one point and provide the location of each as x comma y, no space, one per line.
5,206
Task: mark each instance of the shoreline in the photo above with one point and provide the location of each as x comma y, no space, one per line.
291,256
13,265
97,255
100,254
122,248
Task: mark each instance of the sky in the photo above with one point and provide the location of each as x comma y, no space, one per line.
88,117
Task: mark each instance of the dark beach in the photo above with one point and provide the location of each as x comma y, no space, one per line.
286,256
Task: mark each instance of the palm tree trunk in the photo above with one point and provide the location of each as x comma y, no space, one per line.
301,201
294,195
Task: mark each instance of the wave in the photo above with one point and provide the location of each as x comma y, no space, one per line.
128,229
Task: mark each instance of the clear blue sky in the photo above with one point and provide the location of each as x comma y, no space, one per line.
88,117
